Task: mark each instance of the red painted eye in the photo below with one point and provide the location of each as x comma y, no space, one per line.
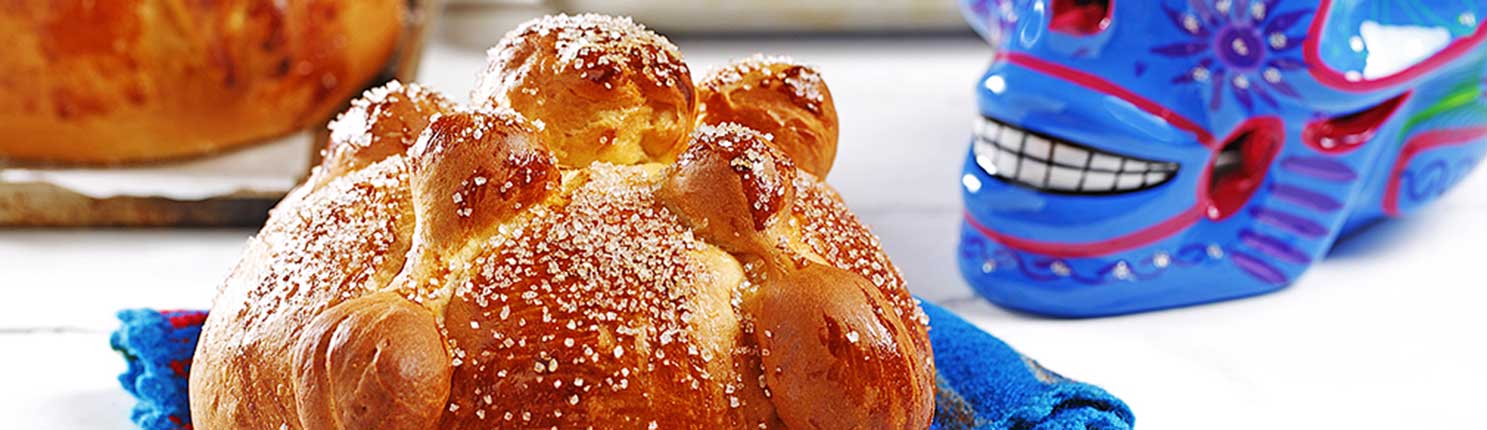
1081,17
1342,134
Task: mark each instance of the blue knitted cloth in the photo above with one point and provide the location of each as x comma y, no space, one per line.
986,385
158,346
982,384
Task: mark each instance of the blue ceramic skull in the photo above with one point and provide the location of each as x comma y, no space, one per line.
1143,154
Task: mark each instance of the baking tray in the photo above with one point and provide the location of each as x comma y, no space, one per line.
481,23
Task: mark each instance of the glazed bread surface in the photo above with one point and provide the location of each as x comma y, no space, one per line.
780,95
115,81
488,272
608,88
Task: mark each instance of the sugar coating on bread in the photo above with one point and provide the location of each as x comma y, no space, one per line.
777,96
602,306
599,45
474,170
797,79
766,176
386,120
321,247
721,288
599,88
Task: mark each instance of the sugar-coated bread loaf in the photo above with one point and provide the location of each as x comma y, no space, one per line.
474,277
113,81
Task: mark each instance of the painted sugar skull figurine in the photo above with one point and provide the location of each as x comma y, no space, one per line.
1143,154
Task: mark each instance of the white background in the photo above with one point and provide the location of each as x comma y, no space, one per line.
1386,333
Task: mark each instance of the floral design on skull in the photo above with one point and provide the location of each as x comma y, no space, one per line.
1246,49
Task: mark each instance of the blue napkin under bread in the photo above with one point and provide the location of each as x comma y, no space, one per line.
982,383
157,346
986,385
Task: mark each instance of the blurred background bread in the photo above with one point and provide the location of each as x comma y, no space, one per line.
116,81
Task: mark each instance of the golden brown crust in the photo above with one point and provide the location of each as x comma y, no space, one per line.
321,246
133,80
778,97
599,88
385,121
828,344
371,362
473,170
602,309
723,290
745,183
828,339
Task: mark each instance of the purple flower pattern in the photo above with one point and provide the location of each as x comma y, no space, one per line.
1241,45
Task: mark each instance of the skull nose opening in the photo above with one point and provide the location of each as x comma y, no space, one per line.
1080,17
1239,167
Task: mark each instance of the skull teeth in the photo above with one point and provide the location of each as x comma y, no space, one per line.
1048,164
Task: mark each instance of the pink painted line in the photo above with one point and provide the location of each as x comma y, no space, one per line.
1094,249
1101,85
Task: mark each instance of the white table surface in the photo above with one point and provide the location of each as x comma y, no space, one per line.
1386,333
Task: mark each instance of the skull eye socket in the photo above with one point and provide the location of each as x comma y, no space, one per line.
1342,134
1080,17
1241,164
